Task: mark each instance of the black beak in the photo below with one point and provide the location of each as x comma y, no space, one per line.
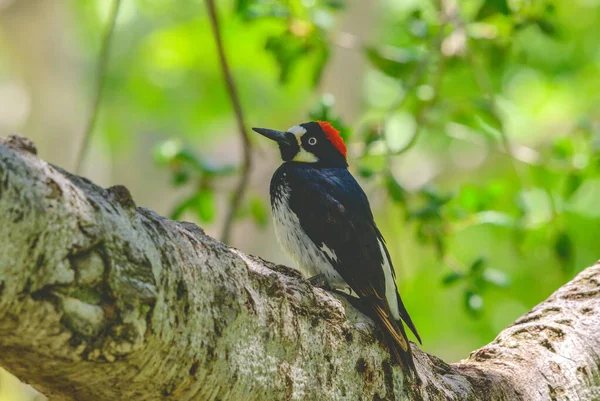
288,144
277,136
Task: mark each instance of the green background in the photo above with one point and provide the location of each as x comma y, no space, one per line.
473,126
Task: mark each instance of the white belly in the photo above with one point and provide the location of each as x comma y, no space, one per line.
310,258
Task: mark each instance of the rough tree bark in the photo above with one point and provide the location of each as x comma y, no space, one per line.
103,300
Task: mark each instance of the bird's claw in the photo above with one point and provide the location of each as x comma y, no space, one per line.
320,281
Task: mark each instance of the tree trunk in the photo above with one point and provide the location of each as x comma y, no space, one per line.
103,300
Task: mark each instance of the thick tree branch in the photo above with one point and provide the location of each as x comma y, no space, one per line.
102,300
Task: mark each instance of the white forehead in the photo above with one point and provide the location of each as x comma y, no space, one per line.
297,130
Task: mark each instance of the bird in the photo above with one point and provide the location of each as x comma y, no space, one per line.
323,221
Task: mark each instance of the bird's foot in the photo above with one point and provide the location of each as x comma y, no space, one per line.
320,281
355,301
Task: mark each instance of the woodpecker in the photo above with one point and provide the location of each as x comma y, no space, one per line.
323,220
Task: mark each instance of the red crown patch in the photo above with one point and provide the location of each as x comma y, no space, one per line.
334,136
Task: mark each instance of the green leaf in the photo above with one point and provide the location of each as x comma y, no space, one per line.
181,177
563,148
491,7
473,302
321,62
323,110
494,218
242,6
365,172
452,278
521,204
211,168
165,152
419,27
496,277
187,156
431,230
546,27
563,247
335,4
392,61
395,189
173,152
432,212
435,196
204,205
201,203
477,266
487,119
371,135
471,198
259,212
476,199
573,182
425,213
180,208
439,243
288,49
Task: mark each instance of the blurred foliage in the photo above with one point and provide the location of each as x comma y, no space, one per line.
479,123
188,168
478,140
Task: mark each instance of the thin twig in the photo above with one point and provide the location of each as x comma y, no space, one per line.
240,189
532,158
454,264
100,78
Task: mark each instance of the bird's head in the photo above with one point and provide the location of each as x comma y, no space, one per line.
314,142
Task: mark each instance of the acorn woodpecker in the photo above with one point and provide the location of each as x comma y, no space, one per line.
324,222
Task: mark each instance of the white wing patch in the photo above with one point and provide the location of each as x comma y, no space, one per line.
311,259
329,252
391,292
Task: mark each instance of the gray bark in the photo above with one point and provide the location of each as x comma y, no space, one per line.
103,300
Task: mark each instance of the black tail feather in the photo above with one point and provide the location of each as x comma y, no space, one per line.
395,338
403,357
406,317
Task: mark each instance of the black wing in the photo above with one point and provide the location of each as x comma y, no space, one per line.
334,210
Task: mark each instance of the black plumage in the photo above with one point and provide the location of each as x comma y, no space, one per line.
324,220
333,210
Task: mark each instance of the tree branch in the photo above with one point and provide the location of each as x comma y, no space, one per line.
238,194
103,300
100,78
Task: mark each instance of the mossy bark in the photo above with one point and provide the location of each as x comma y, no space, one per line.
103,300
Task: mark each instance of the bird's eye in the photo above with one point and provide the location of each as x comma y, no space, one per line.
312,141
